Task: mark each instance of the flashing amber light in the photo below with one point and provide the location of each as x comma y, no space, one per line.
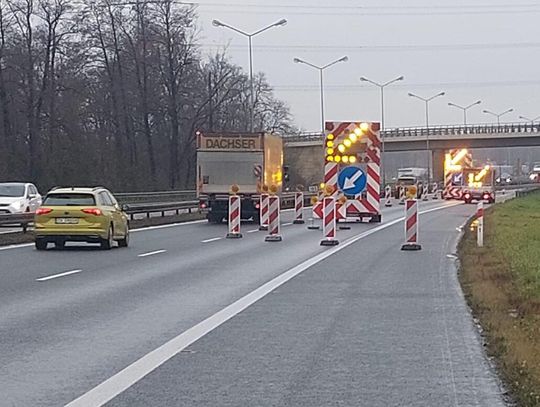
330,137
364,126
345,159
353,137
330,144
352,159
347,143
322,185
330,158
337,158
330,151
358,131
341,148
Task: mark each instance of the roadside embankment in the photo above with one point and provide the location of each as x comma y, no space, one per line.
502,284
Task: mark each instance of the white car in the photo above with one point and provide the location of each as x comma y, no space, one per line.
18,197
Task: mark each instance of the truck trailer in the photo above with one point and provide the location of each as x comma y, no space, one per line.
251,161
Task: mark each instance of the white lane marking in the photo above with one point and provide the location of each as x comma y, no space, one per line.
16,246
253,231
172,225
67,273
143,229
212,240
152,253
287,224
130,375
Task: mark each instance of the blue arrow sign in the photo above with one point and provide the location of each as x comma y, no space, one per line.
457,179
352,180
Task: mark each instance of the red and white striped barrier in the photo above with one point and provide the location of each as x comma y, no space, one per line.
480,228
273,220
234,217
402,191
298,208
263,211
329,222
388,196
425,192
411,226
435,190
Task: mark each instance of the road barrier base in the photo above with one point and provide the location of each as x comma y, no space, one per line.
298,222
234,235
327,242
344,227
402,202
425,198
411,247
263,227
388,204
314,227
273,238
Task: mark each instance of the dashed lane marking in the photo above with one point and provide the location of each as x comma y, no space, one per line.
152,253
214,239
67,273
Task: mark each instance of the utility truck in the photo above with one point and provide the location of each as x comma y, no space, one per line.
479,185
251,161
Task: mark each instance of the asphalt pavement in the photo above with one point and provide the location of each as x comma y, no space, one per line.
367,325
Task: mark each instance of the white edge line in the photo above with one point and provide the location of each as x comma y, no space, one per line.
152,253
67,273
130,375
211,240
143,229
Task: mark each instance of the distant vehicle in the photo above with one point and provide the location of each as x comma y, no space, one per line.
89,215
250,161
504,179
18,197
420,174
480,185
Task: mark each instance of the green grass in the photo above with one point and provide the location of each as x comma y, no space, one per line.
502,284
516,235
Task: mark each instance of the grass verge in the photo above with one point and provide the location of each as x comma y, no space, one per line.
502,284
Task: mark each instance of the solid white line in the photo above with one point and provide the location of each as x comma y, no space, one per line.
130,375
67,273
171,225
287,224
16,246
152,253
212,240
253,231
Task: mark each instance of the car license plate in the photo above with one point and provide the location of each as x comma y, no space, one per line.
67,221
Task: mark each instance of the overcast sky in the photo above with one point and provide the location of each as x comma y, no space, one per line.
480,49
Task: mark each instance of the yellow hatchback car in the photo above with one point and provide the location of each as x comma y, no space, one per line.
89,215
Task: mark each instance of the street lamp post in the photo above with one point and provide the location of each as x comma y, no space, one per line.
321,69
250,36
498,115
426,101
381,86
465,108
530,120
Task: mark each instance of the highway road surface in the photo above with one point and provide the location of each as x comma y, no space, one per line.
184,317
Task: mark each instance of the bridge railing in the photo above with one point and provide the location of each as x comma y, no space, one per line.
454,130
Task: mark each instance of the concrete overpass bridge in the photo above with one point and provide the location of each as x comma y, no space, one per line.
303,152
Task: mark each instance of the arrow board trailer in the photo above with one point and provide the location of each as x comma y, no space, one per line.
252,161
352,167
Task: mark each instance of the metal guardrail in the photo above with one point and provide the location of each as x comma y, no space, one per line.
17,219
457,130
160,196
25,219
527,191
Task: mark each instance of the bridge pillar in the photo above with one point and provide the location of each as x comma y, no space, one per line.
438,164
